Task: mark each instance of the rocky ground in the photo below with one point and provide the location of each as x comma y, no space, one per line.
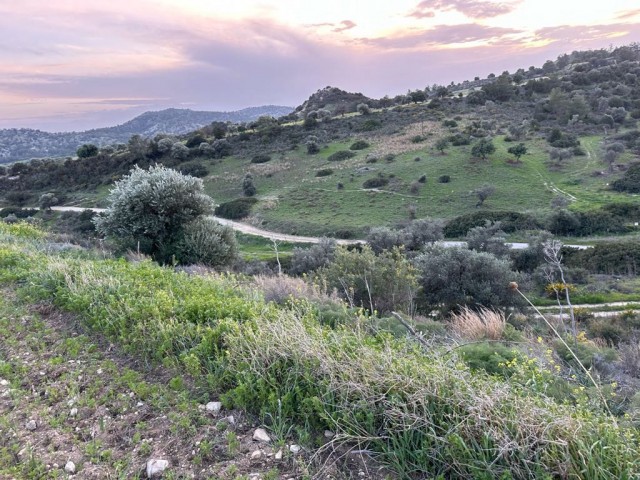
73,405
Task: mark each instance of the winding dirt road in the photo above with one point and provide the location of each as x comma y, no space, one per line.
251,230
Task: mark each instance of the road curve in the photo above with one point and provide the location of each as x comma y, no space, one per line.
251,230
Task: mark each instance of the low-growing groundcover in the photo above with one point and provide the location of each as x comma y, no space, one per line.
422,412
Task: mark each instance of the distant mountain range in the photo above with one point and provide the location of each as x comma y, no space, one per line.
26,143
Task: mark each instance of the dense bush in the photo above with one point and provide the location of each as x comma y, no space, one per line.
340,155
87,150
18,212
492,358
195,170
630,181
236,209
610,258
324,172
375,182
565,222
359,145
380,239
509,222
207,242
454,277
306,260
459,139
261,158
379,283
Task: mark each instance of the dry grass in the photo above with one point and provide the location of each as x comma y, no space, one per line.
283,288
478,325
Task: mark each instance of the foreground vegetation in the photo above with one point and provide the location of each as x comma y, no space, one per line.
310,364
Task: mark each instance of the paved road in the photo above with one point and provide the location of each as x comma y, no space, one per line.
251,230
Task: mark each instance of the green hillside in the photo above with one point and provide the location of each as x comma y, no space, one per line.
577,117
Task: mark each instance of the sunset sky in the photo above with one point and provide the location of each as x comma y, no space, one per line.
79,64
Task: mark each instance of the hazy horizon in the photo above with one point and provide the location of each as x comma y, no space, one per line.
80,65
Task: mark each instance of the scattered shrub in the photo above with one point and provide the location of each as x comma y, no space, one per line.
509,222
359,145
236,209
261,158
195,170
205,241
324,172
444,179
340,155
376,182
18,212
492,358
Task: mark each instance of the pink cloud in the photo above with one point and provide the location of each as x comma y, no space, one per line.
628,14
345,25
443,35
470,8
577,34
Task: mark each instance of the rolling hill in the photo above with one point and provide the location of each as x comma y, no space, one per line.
21,144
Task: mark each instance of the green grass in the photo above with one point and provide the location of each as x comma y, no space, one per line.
296,201
422,411
252,247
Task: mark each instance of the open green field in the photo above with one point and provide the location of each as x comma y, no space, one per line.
294,200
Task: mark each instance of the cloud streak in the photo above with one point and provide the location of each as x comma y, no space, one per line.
443,35
476,9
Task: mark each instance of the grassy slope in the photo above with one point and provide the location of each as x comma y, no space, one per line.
421,410
294,200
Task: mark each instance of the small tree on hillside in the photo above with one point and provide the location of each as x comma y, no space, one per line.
363,109
483,148
518,150
483,193
441,145
48,200
87,150
248,188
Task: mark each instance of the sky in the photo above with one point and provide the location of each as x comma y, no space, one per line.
79,64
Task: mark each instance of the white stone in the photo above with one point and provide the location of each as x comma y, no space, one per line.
213,407
70,467
256,455
295,449
32,425
73,412
261,435
278,455
99,372
156,467
4,382
231,419
329,434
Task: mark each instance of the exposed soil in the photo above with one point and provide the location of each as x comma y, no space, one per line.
107,412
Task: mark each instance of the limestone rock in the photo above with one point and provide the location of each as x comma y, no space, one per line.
213,407
261,435
70,467
156,467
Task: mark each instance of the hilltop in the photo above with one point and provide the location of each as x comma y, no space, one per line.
25,143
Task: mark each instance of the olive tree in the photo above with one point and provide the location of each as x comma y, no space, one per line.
454,277
150,209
